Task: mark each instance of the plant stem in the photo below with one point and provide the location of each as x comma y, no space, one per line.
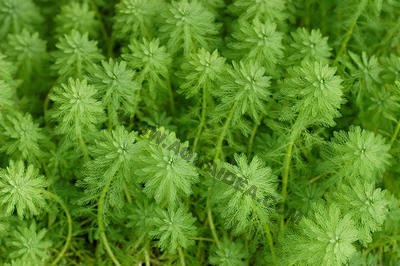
171,96
69,220
146,254
253,134
100,221
181,256
346,39
223,133
396,132
269,235
202,120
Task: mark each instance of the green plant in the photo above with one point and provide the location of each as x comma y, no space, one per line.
196,132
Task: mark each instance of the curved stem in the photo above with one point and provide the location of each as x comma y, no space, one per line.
396,132
269,235
346,39
253,134
171,96
202,120
223,133
181,256
100,221
69,220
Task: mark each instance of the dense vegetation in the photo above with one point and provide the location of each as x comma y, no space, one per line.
236,132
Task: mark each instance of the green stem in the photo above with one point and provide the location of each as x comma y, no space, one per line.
387,38
110,124
102,26
47,100
146,254
171,96
82,144
253,134
212,227
223,133
269,235
69,220
181,256
203,239
287,161
202,120
100,221
346,39
396,132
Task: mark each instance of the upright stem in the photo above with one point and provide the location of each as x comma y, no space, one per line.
396,132
171,96
69,220
346,39
269,235
100,221
253,134
223,133
288,159
181,256
202,120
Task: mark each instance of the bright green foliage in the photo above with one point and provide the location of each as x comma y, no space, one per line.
366,204
325,237
20,189
16,15
117,87
29,245
166,169
238,197
28,51
314,93
202,72
188,27
305,197
357,154
259,42
113,154
7,70
142,216
6,94
174,229
288,109
309,46
75,55
229,254
364,74
77,16
245,90
77,111
135,19
22,138
272,10
153,63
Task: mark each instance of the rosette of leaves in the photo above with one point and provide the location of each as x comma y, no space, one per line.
152,62
325,236
28,52
20,190
117,88
77,16
16,15
22,138
314,94
76,55
261,9
229,253
259,42
77,112
111,168
364,75
174,229
357,154
29,244
188,26
239,194
366,204
166,168
310,46
137,19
